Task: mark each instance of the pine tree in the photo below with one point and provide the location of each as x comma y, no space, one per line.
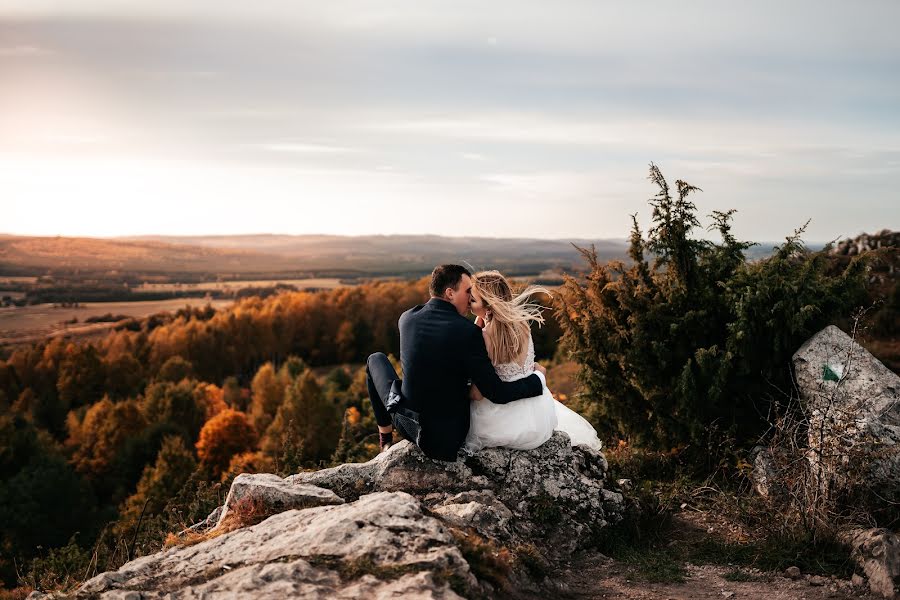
682,351
175,369
158,484
266,395
307,412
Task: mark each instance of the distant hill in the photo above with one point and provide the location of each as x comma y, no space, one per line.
302,254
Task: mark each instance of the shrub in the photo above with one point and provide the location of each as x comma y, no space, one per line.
681,352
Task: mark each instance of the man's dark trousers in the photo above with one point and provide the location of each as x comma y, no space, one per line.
380,374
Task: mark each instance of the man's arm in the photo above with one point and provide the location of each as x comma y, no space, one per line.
480,369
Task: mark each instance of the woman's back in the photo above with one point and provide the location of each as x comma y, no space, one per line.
512,370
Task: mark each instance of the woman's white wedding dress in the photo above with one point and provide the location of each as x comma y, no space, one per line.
527,423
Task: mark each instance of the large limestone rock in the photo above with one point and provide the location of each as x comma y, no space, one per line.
853,404
400,525
553,495
381,546
272,494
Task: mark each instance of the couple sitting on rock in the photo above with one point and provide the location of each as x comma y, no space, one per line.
469,385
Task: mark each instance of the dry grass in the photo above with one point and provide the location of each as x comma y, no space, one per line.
245,513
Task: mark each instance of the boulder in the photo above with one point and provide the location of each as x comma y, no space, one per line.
877,552
853,404
766,473
554,493
480,510
271,494
381,546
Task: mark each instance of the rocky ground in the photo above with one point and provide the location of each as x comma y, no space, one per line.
596,576
590,574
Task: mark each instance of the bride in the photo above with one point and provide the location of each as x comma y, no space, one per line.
527,423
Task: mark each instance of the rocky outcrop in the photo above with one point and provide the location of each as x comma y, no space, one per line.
853,404
554,493
866,242
380,545
400,525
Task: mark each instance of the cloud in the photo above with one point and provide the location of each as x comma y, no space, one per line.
306,148
24,51
764,105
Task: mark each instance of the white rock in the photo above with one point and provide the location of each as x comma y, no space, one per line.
301,553
275,494
853,402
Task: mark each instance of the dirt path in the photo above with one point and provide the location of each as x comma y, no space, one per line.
597,576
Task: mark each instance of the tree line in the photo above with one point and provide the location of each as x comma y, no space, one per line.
142,430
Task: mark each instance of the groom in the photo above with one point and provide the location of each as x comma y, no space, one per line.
441,351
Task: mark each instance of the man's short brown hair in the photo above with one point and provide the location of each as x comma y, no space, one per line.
446,276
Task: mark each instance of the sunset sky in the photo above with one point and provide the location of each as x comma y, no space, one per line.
506,119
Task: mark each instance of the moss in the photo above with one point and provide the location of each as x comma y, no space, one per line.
355,568
544,510
349,570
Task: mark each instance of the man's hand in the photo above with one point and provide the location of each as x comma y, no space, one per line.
475,393
541,368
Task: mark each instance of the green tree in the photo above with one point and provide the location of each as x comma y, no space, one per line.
43,502
175,404
98,438
233,394
266,395
81,376
124,377
357,443
175,369
683,350
306,412
292,368
159,482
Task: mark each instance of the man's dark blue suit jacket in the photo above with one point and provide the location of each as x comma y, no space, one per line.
440,352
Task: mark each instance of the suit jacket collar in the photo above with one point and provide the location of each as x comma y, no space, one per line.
441,304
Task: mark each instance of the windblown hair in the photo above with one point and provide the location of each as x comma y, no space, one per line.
509,318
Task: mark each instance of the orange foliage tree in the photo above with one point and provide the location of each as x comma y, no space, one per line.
223,436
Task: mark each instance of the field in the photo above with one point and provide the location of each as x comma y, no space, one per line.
32,323
321,283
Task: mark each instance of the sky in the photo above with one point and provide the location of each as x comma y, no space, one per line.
500,119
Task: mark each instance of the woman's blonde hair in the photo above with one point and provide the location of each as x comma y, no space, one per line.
510,317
